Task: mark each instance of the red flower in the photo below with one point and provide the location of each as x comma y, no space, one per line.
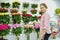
39,17
26,15
4,26
54,34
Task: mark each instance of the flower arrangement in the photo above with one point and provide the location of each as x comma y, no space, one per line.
16,19
33,11
34,6
28,29
15,4
55,32
25,5
37,28
3,10
14,10
34,18
5,19
5,5
4,30
17,30
26,18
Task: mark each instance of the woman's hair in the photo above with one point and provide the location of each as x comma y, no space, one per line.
44,5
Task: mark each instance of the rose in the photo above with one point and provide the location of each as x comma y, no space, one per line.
3,10
28,28
17,30
4,26
4,29
39,17
17,25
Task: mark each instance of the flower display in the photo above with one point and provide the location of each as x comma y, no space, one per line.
3,10
55,32
4,30
5,19
28,29
16,19
25,5
17,30
15,4
26,17
37,28
34,6
33,11
39,17
14,10
5,5
24,11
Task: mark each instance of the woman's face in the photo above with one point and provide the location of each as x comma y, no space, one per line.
43,8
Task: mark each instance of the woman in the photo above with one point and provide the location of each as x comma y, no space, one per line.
45,30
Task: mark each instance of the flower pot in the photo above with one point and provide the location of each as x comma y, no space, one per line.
33,11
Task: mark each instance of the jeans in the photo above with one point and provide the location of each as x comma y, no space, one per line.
46,36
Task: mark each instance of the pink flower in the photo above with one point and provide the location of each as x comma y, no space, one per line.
37,26
4,26
16,25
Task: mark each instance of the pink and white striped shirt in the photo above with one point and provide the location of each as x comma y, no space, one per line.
44,23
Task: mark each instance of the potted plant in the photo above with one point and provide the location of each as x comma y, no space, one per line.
34,11
4,30
5,5
25,5
14,10
15,4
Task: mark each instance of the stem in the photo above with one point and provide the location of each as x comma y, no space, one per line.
17,37
37,35
28,36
